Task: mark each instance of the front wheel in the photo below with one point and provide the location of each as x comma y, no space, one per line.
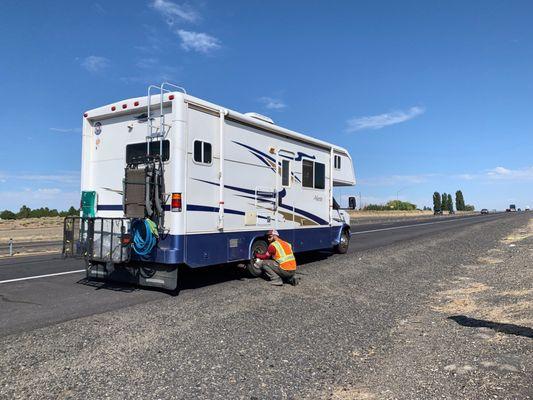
344,242
259,246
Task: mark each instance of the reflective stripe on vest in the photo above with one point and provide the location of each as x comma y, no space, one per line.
284,255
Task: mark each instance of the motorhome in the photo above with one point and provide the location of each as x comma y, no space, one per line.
168,179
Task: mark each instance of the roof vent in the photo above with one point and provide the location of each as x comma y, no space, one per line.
260,117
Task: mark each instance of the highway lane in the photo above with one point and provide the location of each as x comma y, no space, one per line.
32,303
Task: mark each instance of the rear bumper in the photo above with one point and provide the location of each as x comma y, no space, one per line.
160,276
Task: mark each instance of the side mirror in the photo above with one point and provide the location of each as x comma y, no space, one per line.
351,203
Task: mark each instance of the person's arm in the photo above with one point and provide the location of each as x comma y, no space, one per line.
271,251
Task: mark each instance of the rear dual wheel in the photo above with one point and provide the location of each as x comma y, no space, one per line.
259,246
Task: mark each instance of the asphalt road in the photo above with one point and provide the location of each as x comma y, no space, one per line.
41,290
426,311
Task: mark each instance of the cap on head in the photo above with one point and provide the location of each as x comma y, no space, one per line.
273,232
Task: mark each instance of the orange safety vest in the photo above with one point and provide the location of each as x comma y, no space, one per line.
284,255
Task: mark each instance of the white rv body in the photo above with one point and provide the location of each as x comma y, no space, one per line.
225,205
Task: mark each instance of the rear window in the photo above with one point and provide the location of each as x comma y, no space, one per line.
136,152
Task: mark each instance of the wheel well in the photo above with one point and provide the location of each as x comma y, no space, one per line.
255,239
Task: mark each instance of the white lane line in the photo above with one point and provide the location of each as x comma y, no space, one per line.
42,276
410,226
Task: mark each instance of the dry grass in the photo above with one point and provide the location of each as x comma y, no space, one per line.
398,214
351,394
31,229
521,234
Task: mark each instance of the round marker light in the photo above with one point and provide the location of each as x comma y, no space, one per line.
171,97
124,106
136,103
85,115
113,108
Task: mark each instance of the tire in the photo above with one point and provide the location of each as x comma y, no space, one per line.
344,243
259,246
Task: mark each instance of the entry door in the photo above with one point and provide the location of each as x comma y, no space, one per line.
285,192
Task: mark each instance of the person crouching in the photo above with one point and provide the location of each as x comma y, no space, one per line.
278,263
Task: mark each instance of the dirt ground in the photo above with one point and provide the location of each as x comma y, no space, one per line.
31,229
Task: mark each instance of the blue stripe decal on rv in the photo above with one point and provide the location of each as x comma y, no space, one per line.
312,217
261,156
118,207
196,207
282,194
109,207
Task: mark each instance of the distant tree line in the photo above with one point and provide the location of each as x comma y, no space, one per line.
27,212
396,205
444,202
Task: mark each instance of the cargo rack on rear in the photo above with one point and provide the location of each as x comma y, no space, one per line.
97,239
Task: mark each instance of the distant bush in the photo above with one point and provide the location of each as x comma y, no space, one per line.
6,214
395,205
26,212
469,207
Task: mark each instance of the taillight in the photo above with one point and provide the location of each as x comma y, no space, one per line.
125,239
176,202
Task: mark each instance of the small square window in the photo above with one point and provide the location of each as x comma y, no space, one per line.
207,158
285,173
337,162
198,151
307,173
202,152
320,176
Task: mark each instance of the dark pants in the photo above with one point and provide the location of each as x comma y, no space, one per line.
274,271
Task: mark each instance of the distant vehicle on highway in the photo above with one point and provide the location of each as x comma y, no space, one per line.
512,208
484,211
437,211
527,209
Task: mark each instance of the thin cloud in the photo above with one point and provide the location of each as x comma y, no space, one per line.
98,7
502,173
198,41
64,178
382,120
395,180
272,103
95,63
66,130
173,12
147,62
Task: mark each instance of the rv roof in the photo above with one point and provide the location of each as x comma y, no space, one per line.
129,105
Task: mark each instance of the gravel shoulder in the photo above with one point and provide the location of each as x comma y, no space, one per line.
371,324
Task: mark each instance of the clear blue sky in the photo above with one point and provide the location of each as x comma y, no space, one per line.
426,95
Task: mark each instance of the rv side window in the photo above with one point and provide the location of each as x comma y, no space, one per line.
285,173
307,173
337,162
320,176
202,152
313,174
137,152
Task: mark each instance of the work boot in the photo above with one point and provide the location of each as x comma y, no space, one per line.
293,281
277,282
